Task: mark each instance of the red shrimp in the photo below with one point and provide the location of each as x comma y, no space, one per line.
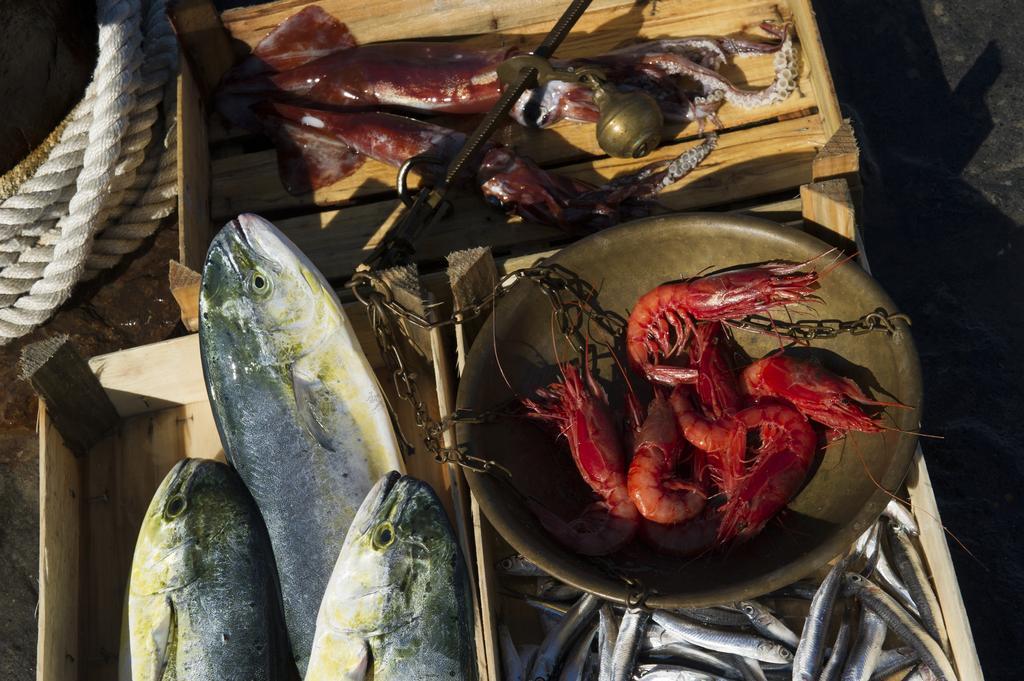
653,485
717,388
722,442
583,416
788,445
663,319
819,394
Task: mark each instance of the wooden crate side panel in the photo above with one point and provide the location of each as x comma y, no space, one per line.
397,20
813,52
152,377
60,495
193,172
940,566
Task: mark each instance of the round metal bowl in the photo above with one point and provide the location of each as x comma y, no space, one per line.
841,497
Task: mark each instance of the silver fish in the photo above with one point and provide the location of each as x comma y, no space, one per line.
805,590
750,669
518,565
627,643
724,640
901,623
299,410
867,547
398,605
833,668
575,663
717,617
607,634
203,600
555,643
807,660
551,589
668,672
767,624
680,651
511,663
902,517
863,658
886,577
911,569
892,661
920,673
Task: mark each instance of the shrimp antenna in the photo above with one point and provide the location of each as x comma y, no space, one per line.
494,346
910,507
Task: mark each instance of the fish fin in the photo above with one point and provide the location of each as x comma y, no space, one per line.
339,656
302,38
308,159
151,651
312,400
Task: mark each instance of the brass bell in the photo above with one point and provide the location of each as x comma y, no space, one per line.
629,123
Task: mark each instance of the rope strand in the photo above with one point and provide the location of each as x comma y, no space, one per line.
108,182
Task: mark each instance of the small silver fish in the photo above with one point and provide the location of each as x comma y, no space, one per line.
768,624
575,663
511,664
555,643
915,577
627,643
900,622
809,652
668,672
724,640
902,517
607,634
863,658
833,668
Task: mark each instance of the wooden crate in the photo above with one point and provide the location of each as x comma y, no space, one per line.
764,152
794,162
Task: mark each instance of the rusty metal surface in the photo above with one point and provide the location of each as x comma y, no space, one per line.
839,501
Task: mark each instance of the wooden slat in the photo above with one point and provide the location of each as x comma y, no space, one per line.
745,164
840,157
828,205
813,52
940,566
193,172
60,494
206,44
395,19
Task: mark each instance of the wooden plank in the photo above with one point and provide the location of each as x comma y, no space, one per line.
484,539
60,494
940,566
828,205
75,400
152,377
194,232
206,44
813,52
395,20
840,157
185,283
472,276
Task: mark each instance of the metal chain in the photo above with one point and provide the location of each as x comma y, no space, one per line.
814,329
573,304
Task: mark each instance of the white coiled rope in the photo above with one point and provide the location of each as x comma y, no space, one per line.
108,181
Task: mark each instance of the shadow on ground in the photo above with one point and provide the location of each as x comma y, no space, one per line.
934,91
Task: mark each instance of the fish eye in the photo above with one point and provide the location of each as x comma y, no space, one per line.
175,506
383,536
260,283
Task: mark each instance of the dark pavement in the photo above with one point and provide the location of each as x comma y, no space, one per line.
935,90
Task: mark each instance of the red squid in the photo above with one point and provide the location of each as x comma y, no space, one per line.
316,148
